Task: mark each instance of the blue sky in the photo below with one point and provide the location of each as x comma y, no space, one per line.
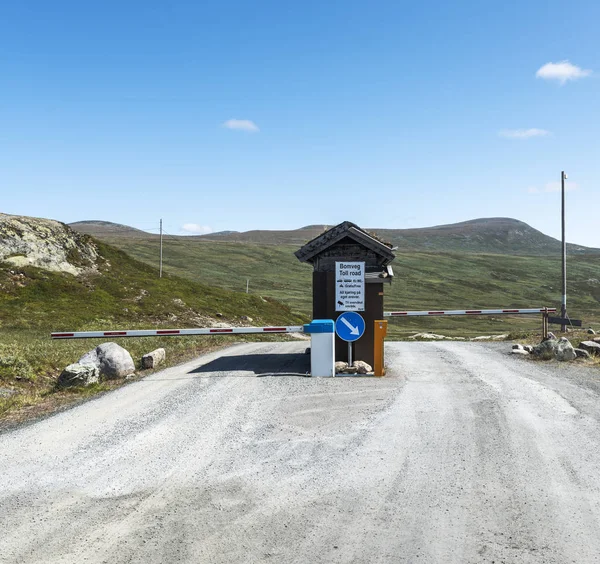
275,115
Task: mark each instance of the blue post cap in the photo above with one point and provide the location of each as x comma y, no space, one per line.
320,326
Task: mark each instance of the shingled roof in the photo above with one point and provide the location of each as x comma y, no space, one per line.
346,229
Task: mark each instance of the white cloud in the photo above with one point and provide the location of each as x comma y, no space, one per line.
241,125
551,187
523,133
562,71
196,229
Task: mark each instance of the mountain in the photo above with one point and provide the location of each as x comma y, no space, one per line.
98,228
498,235
53,277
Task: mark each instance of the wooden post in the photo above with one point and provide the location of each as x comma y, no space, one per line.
378,347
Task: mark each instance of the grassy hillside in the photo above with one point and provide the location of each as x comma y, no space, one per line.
485,235
123,293
440,280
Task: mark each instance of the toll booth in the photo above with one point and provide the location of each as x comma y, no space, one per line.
328,253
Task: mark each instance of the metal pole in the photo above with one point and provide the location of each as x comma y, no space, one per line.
161,247
247,284
563,311
349,354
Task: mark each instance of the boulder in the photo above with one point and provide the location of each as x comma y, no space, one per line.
517,347
362,367
591,347
582,353
551,335
154,358
560,350
112,360
528,348
565,350
340,366
79,374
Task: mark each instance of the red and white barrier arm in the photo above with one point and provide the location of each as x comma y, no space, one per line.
176,332
470,312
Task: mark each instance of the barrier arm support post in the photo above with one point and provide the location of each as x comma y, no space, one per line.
380,333
545,324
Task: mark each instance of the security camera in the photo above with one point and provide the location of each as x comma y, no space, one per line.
566,176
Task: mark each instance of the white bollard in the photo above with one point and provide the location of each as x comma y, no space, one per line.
322,347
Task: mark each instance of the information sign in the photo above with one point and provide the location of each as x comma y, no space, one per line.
349,286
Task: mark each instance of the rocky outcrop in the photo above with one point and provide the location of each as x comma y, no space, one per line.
112,360
79,374
154,358
48,244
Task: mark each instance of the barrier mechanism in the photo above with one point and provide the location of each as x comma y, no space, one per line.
322,347
176,332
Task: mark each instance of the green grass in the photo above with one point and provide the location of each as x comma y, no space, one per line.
423,280
124,293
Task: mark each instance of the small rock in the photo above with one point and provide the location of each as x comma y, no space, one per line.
528,348
427,336
218,314
362,367
350,370
340,366
246,318
591,331
520,351
590,346
79,375
551,335
517,347
154,358
581,353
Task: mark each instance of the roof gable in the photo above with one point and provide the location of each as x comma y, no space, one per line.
334,235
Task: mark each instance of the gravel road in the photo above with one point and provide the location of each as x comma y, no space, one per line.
461,454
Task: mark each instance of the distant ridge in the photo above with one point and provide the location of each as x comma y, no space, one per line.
500,235
97,228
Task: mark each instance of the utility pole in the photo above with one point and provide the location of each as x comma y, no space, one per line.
563,310
161,241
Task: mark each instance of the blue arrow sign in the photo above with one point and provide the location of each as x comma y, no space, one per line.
350,326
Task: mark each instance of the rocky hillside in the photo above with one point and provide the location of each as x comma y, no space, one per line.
44,243
54,277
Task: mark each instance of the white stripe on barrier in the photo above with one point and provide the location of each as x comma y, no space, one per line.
176,332
469,312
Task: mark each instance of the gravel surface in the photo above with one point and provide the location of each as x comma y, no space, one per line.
463,453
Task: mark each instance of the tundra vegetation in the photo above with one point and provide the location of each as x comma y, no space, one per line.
119,293
489,276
